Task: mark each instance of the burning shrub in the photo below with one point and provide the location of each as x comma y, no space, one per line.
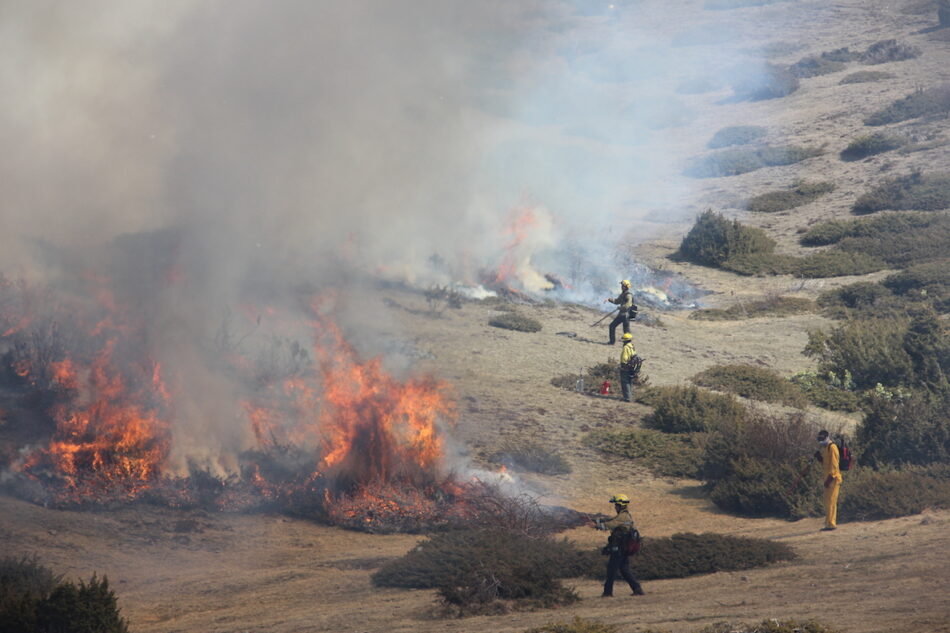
736,135
714,240
775,306
915,191
865,76
748,381
869,145
732,162
531,456
477,571
889,51
438,298
666,454
516,321
933,101
801,193
32,598
687,409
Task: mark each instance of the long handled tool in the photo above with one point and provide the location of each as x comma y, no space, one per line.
603,317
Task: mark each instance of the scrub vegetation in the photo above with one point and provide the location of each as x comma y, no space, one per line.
736,135
865,76
870,145
665,454
934,101
776,306
915,191
801,193
732,162
515,321
749,381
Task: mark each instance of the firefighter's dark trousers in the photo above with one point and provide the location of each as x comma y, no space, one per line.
620,562
623,317
626,383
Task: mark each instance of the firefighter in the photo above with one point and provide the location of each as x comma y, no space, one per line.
629,364
628,310
619,560
829,459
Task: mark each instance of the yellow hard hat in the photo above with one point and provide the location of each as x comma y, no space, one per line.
625,283
620,500
627,336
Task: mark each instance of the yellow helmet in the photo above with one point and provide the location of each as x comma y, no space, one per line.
627,336
625,283
620,500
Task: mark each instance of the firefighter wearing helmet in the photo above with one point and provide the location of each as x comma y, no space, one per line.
627,310
622,530
629,366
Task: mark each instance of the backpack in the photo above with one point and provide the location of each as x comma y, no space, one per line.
845,457
634,364
626,539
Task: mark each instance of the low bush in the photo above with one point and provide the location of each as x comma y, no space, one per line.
736,135
32,598
815,66
864,299
865,76
885,225
665,454
800,194
915,191
831,263
688,409
889,51
770,626
577,625
770,82
922,102
768,307
869,145
516,321
713,239
928,282
749,381
904,429
531,456
872,350
732,162
872,495
828,391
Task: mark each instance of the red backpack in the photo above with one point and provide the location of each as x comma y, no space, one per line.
845,457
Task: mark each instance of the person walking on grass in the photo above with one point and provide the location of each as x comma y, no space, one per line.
830,460
621,529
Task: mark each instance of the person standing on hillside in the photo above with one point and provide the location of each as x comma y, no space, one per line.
628,310
621,529
829,459
629,366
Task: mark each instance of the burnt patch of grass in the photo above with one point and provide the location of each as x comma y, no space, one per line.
891,50
749,381
769,307
736,135
801,193
870,145
665,454
865,76
689,409
527,455
934,101
713,240
732,162
830,263
915,191
515,321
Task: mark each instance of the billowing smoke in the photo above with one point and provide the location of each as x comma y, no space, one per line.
208,157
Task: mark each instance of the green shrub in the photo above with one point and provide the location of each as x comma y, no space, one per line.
531,456
889,51
759,487
929,282
872,495
871,350
828,391
86,608
869,145
577,625
865,76
914,246
885,225
478,570
24,584
863,299
771,626
929,102
732,162
749,381
666,454
800,194
772,82
904,429
769,307
831,263
516,321
687,409
915,191
736,135
713,239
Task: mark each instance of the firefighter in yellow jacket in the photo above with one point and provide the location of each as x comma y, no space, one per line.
629,364
619,560
830,459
